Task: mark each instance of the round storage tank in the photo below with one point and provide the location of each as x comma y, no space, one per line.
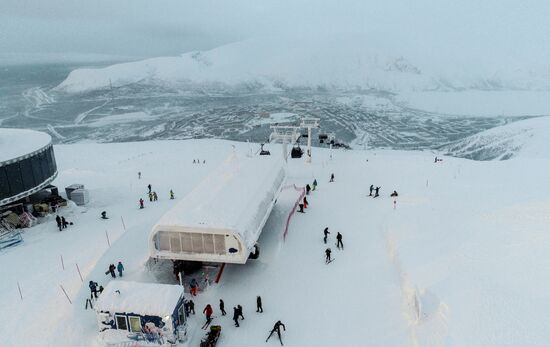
27,163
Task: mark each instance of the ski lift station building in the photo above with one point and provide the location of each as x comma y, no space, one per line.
222,218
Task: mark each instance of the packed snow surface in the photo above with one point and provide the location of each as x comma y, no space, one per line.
18,142
458,259
142,298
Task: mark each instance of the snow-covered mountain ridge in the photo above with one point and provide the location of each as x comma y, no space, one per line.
277,63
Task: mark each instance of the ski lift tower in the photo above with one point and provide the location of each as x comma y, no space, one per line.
309,123
284,134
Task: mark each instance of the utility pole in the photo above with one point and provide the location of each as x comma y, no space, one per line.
309,123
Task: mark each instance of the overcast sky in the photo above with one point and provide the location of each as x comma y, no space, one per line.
503,30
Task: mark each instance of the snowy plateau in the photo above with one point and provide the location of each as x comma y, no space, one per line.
459,259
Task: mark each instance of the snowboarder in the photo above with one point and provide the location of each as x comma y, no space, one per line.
58,221
191,306
208,312
139,175
171,195
331,177
93,289
277,329
326,232
371,189
394,194
259,307
222,307
194,287
149,186
120,268
301,206
155,196
376,192
308,189
339,241
236,316
111,270
305,202
140,203
104,215
64,222
240,311
327,255
314,184
150,197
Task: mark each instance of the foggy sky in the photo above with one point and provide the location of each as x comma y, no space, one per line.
507,31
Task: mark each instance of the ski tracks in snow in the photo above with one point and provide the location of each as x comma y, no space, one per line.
85,114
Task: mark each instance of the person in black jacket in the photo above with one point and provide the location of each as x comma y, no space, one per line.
236,316
222,307
277,328
240,309
376,192
327,255
58,221
326,232
308,189
339,242
259,307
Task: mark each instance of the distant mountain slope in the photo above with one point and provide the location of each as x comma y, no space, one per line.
275,63
526,138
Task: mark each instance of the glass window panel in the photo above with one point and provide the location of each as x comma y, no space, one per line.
26,174
4,186
219,244
121,322
14,178
164,241
186,245
196,239
175,242
135,324
208,241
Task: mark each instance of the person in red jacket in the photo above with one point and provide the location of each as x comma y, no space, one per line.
208,312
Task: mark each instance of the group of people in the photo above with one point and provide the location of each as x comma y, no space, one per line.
119,267
62,223
153,196
339,244
197,161
376,191
237,311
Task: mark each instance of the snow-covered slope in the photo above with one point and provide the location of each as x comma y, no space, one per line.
339,62
460,258
528,138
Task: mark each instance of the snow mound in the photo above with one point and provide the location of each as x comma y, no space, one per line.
524,138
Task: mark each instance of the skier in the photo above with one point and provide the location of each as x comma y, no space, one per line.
149,186
104,215
58,220
326,232
240,311
186,308
259,307
120,268
93,289
435,161
150,197
301,206
305,202
192,306
371,189
208,312
394,194
277,328
308,189
314,184
111,271
339,241
64,222
236,316
222,307
155,196
140,203
331,177
376,192
194,161
139,175
171,195
194,287
327,257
